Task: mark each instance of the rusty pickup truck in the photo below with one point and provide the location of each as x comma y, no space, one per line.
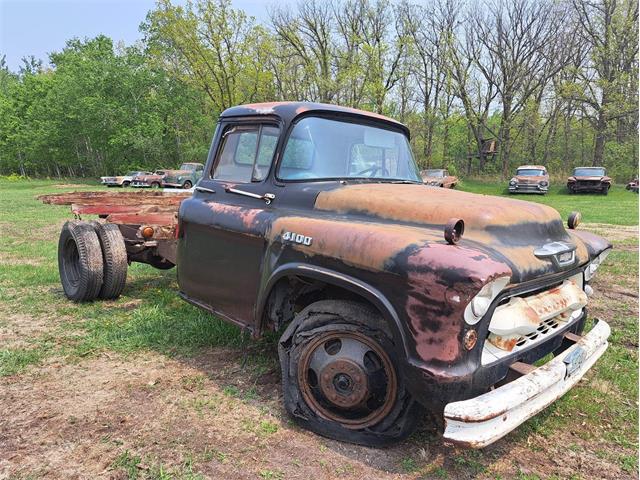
391,298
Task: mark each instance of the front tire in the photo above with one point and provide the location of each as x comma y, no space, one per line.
186,185
126,184
155,185
340,375
80,261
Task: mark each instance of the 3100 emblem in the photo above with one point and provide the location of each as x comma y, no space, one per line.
297,238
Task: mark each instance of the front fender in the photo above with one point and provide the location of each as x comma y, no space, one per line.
338,279
595,244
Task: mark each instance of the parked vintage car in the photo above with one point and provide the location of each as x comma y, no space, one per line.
185,177
530,179
438,177
589,179
150,180
122,180
633,185
391,296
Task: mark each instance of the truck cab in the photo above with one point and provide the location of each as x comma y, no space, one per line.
390,296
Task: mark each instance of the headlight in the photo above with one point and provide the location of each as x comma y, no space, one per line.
593,266
479,305
513,181
544,183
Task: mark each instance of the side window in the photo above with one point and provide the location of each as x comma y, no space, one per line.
266,149
246,153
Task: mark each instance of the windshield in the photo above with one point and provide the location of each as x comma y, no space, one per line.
322,149
588,172
434,173
530,172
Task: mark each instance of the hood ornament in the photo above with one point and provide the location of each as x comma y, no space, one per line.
562,254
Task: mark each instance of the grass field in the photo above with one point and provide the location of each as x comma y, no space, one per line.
148,386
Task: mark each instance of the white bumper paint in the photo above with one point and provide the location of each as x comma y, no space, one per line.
482,420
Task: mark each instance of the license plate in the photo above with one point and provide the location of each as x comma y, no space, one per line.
574,361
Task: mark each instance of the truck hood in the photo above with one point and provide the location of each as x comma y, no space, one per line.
508,230
590,178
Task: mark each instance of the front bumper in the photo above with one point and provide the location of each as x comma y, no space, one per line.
140,184
528,188
588,187
480,421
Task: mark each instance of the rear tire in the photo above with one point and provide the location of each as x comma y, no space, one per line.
358,394
80,261
114,258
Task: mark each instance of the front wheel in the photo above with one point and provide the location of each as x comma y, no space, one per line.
155,185
340,375
126,184
605,191
186,185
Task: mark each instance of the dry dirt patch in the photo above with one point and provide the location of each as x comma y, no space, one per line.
74,421
614,233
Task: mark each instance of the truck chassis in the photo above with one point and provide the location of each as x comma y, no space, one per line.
136,226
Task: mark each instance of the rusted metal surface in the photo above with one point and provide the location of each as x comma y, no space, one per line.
126,208
507,225
480,421
572,336
522,368
522,316
342,388
132,212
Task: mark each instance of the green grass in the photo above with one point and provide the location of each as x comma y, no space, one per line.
620,207
149,315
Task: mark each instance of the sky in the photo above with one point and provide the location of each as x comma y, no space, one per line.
37,27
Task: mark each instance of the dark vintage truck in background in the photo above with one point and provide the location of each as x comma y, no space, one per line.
391,297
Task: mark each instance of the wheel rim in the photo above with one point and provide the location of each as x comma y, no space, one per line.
71,261
348,378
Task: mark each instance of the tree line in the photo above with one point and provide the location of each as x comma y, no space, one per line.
552,82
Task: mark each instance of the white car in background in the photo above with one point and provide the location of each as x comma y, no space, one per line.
122,180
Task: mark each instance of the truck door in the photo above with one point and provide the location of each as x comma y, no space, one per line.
223,225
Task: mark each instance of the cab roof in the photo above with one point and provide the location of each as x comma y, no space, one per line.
288,111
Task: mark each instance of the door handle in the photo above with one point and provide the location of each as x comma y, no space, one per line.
205,190
267,197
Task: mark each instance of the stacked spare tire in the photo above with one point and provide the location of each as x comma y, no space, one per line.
92,260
